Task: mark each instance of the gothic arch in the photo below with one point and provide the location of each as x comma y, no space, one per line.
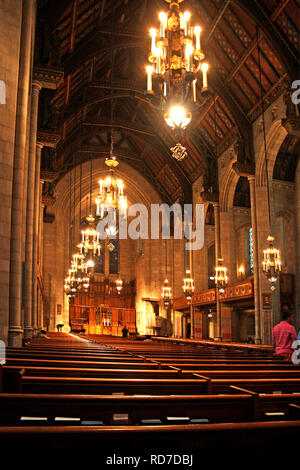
275,137
228,186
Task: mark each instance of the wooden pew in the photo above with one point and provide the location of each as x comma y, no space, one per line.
269,438
234,408
244,374
23,362
88,372
203,384
82,357
11,371
103,386
238,407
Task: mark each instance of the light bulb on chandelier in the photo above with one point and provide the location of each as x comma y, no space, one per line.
176,66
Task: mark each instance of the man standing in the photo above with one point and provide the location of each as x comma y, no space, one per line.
283,336
125,331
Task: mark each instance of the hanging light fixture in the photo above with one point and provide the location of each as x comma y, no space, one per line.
119,285
111,199
188,286
221,278
111,193
90,239
271,261
166,294
176,65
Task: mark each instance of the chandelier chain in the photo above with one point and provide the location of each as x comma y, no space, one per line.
264,126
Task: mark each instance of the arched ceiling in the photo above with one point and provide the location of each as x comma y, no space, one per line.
287,159
80,36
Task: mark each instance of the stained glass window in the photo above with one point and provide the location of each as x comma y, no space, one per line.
251,259
99,264
114,258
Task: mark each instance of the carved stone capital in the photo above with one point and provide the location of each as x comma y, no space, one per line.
244,169
292,125
47,77
48,138
210,197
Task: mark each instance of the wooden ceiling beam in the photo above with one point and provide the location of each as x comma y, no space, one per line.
282,5
255,10
73,29
126,125
217,19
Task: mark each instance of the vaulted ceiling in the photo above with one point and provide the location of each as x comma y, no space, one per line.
85,37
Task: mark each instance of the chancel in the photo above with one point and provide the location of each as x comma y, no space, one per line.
150,228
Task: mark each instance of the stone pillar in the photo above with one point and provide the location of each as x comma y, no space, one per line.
15,283
297,220
40,252
36,223
251,180
191,305
218,255
30,322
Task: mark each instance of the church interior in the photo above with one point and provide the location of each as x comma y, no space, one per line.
150,225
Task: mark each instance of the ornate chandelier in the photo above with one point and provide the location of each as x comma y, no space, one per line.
111,192
221,278
166,294
177,64
70,286
90,240
271,262
188,286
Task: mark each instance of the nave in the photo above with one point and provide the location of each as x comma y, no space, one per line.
65,394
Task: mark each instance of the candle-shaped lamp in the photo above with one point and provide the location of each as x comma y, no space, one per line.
194,90
187,17
204,69
189,57
158,52
197,31
153,40
163,23
150,70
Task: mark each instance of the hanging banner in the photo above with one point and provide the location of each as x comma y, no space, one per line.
197,324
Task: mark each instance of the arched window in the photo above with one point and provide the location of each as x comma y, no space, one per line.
250,251
99,264
113,248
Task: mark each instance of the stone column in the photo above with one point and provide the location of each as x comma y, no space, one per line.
28,319
218,255
15,283
36,223
251,180
191,305
40,252
297,221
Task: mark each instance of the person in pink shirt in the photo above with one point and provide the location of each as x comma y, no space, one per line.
283,336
